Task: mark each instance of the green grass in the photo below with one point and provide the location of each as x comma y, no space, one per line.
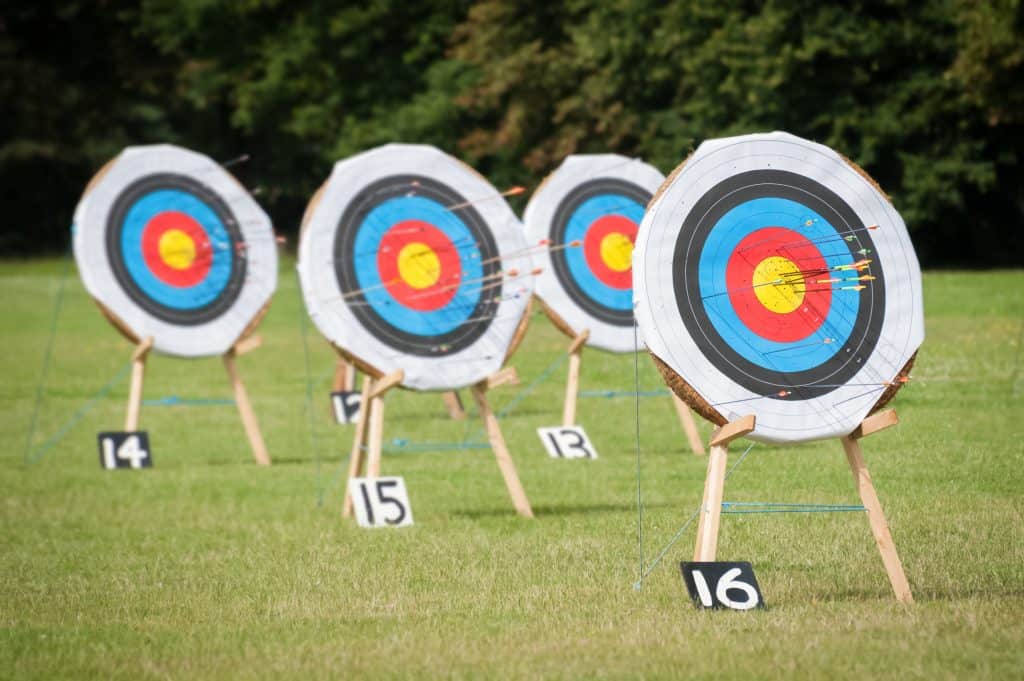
209,566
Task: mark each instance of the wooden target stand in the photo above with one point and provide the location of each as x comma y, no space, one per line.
572,390
246,344
345,380
372,426
706,546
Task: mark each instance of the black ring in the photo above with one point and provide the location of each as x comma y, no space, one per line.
560,223
696,228
115,225
346,232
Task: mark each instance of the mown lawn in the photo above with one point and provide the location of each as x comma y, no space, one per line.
208,566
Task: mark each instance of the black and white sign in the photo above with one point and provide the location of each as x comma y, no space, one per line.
380,502
122,449
346,404
567,442
722,585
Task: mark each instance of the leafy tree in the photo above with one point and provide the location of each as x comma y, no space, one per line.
923,94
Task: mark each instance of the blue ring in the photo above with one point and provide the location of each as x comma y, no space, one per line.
419,322
576,230
175,297
722,241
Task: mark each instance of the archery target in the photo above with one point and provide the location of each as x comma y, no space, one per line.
172,245
774,278
410,260
589,211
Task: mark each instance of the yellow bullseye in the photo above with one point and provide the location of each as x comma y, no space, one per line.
776,285
418,265
177,249
617,251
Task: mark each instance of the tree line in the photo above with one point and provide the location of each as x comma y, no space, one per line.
927,95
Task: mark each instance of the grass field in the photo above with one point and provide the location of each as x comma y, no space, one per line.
208,566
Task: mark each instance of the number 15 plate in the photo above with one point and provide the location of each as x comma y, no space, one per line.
380,502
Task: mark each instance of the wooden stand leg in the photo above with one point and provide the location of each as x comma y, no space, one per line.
454,404
700,516
376,417
689,425
572,384
356,458
868,497
249,422
131,419
711,511
501,453
344,376
706,548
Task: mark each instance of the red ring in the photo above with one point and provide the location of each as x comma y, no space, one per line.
160,224
739,276
598,230
432,297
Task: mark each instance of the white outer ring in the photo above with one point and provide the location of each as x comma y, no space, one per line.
214,337
576,170
334,318
840,411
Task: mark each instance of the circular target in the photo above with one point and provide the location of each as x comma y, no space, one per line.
173,247
589,211
171,243
421,278
778,280
426,266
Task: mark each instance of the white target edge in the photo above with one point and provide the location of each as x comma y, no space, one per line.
838,412
540,211
216,336
323,296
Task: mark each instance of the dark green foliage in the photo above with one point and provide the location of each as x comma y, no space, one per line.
926,96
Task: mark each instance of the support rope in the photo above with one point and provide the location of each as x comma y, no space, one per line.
639,495
643,574
309,396
36,455
58,303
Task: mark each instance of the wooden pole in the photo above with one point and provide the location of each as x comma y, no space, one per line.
689,425
453,403
131,419
501,453
868,497
572,384
249,422
706,547
356,458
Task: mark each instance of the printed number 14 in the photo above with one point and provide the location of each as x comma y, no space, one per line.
129,451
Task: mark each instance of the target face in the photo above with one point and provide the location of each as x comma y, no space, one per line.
777,280
175,248
427,271
170,242
589,211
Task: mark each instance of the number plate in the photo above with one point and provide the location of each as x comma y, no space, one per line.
346,405
567,442
380,502
722,585
120,449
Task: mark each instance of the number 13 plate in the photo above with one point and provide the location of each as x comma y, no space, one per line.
567,442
